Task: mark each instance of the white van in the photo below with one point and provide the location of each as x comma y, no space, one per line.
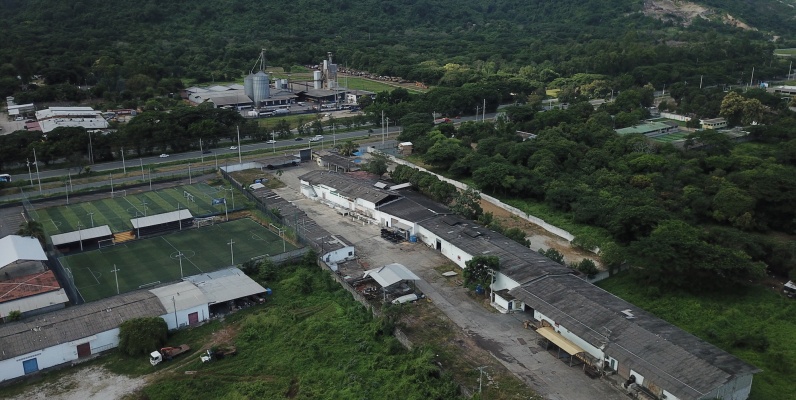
406,298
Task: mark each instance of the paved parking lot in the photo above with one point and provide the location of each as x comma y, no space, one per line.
503,335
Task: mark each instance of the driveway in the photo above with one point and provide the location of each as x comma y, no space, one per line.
503,335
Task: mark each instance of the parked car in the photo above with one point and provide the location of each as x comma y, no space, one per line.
271,141
164,155
233,147
299,138
207,152
317,138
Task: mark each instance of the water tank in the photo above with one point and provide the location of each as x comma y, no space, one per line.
248,84
316,79
261,87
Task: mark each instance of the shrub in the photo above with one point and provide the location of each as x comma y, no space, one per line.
14,315
142,335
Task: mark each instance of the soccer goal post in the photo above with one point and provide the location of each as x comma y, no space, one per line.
106,243
200,222
119,193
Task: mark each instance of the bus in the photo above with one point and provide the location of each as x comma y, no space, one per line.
5,178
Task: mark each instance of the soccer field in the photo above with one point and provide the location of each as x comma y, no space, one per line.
147,262
118,211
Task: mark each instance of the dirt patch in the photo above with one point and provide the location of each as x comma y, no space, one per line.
540,238
686,12
88,383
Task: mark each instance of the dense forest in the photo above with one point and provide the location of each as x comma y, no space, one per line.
125,52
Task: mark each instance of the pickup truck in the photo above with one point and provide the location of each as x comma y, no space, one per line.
167,353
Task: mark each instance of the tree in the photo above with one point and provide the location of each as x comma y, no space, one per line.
142,335
553,254
32,229
676,254
587,267
377,164
479,270
467,203
347,148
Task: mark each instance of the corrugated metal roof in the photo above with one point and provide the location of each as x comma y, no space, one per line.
73,323
82,234
349,187
673,359
391,274
14,248
183,294
226,284
158,219
518,262
34,302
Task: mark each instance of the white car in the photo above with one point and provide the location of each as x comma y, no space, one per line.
317,138
233,147
271,141
164,155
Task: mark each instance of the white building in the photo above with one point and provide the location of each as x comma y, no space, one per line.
653,358
84,117
66,335
185,304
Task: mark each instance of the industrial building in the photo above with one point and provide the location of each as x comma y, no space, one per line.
593,328
83,117
78,332
651,129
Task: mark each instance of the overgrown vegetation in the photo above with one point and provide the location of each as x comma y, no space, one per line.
311,340
140,336
755,324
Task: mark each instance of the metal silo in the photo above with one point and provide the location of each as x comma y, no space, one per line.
261,87
316,79
248,84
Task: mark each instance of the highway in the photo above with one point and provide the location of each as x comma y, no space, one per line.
261,147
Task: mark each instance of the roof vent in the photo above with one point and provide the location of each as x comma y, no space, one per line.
628,314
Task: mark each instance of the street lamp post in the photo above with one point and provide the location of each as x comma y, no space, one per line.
180,255
80,235
91,215
231,252
240,160
116,273
124,166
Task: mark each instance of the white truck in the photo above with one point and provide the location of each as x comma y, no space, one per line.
167,353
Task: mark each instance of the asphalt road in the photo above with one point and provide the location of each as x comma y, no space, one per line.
226,150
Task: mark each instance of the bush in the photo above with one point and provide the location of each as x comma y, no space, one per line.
553,254
587,267
142,335
14,315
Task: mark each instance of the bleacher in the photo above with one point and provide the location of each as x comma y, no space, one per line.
162,223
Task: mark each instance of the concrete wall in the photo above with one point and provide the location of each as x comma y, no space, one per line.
497,203
241,167
737,389
676,117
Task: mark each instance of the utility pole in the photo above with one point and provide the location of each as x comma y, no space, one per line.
483,112
116,272
201,150
189,173
80,235
231,252
36,163
66,190
30,176
124,166
91,215
141,162
180,255
110,175
240,160
480,378
752,78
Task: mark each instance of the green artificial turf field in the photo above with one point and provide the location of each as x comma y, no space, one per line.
147,262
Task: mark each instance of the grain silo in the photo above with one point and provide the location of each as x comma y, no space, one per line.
248,84
316,80
261,87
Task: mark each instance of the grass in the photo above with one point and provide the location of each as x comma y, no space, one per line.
118,211
670,137
146,261
561,220
755,324
785,52
311,340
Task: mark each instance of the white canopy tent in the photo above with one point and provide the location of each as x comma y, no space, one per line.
14,248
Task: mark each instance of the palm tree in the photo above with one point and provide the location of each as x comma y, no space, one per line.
32,229
347,148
